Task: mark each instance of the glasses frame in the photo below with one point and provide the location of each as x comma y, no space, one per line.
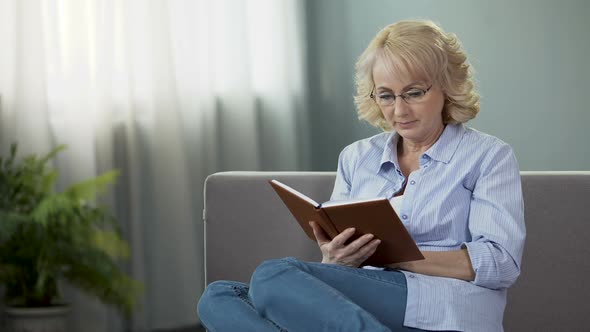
403,95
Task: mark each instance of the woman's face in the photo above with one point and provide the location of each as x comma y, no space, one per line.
417,121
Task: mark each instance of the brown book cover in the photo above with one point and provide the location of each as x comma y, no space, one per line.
375,216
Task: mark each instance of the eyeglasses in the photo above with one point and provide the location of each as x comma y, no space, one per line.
412,96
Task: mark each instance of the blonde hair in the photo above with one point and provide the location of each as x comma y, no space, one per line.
418,49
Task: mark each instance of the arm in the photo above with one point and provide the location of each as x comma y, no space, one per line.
496,221
491,258
451,264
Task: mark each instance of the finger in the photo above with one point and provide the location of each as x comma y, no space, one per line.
320,236
341,238
361,241
357,244
366,251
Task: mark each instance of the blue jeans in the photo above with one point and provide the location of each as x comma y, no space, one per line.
291,295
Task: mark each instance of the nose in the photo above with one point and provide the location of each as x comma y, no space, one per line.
400,107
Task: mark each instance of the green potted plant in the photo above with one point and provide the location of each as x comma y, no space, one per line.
48,236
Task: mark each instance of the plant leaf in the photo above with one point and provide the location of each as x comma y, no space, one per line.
98,275
110,243
49,181
9,224
52,154
88,189
51,206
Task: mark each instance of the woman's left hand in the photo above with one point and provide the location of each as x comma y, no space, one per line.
335,251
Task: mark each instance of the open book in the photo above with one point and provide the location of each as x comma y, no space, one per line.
375,216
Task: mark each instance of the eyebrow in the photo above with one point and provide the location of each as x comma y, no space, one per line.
405,88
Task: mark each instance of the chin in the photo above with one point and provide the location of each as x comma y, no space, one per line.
408,131
411,134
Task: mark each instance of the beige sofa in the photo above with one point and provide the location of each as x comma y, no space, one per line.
246,223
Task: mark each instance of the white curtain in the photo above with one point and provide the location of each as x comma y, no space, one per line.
168,92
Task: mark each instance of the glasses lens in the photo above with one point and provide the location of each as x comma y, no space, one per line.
410,96
414,96
385,99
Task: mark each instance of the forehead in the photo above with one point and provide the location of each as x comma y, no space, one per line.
394,74
390,66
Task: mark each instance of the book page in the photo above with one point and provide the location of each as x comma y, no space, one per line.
304,209
351,201
297,193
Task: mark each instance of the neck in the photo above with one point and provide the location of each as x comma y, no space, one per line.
407,146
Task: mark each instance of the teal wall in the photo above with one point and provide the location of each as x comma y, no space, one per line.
531,63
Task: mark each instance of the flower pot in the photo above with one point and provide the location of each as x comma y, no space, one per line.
44,319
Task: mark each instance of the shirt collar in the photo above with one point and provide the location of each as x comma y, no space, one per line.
390,150
442,150
446,145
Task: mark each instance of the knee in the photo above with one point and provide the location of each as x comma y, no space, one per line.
270,279
213,289
207,297
211,297
271,271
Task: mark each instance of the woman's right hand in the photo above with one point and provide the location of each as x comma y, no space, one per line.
336,252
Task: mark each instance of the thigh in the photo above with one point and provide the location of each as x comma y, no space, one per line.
381,293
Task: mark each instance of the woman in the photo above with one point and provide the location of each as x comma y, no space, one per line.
456,190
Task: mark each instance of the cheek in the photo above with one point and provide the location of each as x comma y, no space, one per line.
387,114
439,103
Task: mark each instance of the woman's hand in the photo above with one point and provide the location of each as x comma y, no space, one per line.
336,252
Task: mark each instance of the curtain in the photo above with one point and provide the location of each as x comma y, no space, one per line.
168,92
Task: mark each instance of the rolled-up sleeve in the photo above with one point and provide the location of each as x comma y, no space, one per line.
496,221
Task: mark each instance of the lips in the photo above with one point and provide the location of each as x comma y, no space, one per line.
406,124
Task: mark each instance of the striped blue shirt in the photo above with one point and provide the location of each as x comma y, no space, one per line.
466,194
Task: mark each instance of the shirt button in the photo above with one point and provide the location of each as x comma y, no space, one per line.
404,216
424,156
412,182
412,276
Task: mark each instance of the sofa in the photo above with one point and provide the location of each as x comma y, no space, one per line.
246,223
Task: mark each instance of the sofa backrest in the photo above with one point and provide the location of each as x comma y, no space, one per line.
246,223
